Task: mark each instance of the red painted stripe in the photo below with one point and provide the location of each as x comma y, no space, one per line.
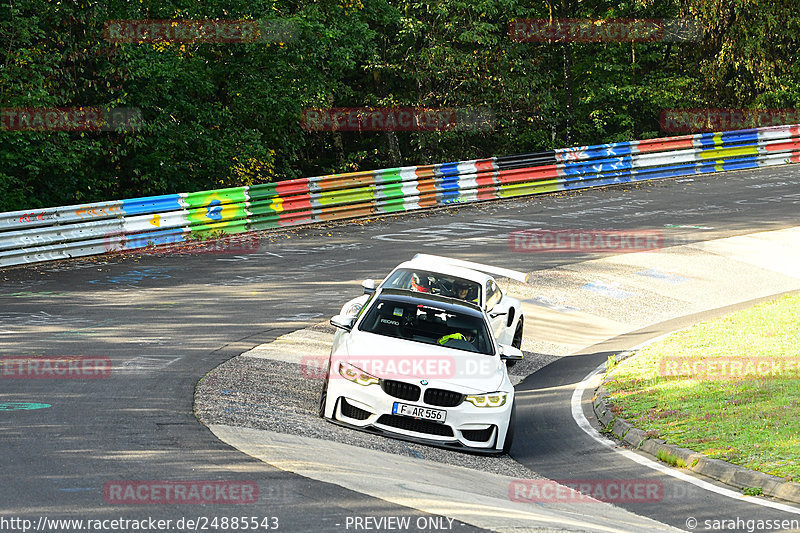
665,143
519,175
793,144
484,165
296,203
426,185
291,187
488,193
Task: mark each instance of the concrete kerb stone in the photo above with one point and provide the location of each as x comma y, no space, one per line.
604,415
620,427
730,474
635,437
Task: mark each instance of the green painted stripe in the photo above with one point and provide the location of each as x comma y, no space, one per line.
390,175
394,205
360,194
390,191
262,191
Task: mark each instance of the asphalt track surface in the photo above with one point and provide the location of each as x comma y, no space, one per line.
164,321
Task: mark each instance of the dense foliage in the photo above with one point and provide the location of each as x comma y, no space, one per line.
220,114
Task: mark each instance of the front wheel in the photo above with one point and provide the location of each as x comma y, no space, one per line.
517,342
512,420
323,398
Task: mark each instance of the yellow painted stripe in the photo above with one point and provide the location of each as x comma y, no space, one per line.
724,153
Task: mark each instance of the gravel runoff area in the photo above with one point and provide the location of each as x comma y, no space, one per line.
266,389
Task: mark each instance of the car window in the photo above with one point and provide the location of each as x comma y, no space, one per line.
427,324
434,283
493,294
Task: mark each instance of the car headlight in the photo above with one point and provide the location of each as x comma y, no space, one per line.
356,375
493,399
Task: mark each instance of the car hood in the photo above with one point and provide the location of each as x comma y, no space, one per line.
403,360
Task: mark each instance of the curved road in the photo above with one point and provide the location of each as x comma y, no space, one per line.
164,321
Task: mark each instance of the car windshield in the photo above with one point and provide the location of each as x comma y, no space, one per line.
434,283
427,324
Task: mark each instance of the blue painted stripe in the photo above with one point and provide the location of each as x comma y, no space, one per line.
666,277
447,169
151,204
154,238
596,182
649,173
740,136
598,166
611,291
595,150
707,141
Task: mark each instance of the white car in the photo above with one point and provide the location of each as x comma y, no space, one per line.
443,276
421,367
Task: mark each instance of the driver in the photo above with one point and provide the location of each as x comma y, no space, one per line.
462,290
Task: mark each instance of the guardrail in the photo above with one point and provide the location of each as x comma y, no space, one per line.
57,233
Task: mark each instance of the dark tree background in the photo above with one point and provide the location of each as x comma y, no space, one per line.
218,115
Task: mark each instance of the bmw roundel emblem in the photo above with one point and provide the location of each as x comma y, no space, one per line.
424,382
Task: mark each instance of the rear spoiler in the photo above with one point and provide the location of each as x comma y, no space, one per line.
497,271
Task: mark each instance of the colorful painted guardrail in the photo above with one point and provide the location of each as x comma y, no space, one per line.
56,233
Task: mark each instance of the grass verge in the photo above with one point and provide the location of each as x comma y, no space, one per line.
728,388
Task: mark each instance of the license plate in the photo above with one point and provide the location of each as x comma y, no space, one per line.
415,411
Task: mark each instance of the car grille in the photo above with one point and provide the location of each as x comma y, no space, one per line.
400,389
443,398
351,411
415,425
478,435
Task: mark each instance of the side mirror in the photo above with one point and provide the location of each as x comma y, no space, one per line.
369,286
343,322
509,353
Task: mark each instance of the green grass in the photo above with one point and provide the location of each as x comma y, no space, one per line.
748,417
670,459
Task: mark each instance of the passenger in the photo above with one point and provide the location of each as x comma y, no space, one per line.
420,283
461,336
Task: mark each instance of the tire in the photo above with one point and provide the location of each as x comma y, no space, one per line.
323,398
517,342
512,420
